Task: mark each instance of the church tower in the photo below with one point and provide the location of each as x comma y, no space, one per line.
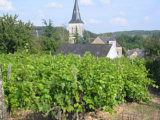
76,24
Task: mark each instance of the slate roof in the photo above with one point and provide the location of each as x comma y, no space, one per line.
107,39
140,53
91,39
118,44
98,50
76,17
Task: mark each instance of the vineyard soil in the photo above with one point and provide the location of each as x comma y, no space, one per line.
128,110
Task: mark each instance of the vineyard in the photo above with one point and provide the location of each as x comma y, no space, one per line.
70,84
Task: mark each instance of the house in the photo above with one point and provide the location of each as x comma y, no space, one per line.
97,50
139,53
110,40
91,40
100,47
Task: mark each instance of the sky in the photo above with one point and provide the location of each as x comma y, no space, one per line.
100,16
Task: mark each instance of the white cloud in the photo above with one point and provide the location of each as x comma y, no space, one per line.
122,13
119,21
86,2
93,21
146,18
6,5
53,4
106,1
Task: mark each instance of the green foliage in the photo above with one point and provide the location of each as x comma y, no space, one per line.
49,44
154,69
76,36
61,31
152,45
14,33
135,32
107,34
40,82
131,42
50,40
85,39
86,36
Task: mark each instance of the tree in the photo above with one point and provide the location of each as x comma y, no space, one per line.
131,42
49,29
63,33
152,45
14,33
84,39
76,36
109,34
50,40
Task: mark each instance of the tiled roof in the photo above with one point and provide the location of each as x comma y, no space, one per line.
98,50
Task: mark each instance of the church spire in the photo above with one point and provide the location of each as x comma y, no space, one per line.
76,17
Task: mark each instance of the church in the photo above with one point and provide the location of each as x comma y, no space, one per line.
100,47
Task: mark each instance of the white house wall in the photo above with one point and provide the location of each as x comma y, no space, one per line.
113,52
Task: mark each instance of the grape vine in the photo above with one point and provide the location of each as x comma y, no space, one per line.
41,82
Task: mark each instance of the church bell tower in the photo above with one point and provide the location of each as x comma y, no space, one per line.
75,24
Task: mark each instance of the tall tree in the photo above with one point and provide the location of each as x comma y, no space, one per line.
152,45
51,38
131,42
84,39
14,33
76,36
64,34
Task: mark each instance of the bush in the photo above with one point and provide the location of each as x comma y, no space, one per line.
154,69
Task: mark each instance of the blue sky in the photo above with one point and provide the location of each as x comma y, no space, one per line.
100,16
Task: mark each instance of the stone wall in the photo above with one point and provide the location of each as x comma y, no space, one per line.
72,31
3,111
119,51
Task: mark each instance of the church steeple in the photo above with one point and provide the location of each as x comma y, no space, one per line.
76,17
76,25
